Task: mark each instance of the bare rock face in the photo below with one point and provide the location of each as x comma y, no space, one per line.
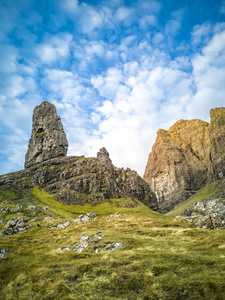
48,140
185,158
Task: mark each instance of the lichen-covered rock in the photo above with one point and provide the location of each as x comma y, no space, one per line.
185,158
48,140
207,214
15,225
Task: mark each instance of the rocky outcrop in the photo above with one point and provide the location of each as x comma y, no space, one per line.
185,158
74,179
48,140
207,214
15,225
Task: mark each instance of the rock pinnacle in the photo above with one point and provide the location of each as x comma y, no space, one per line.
48,140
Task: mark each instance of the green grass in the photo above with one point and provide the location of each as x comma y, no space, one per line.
158,260
198,196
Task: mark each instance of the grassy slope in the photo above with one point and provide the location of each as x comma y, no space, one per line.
159,259
198,196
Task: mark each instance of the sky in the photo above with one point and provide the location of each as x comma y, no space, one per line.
116,70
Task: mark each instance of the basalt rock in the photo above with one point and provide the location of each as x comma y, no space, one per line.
48,140
73,179
185,158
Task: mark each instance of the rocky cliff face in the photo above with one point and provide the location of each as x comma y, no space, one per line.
48,140
74,179
185,158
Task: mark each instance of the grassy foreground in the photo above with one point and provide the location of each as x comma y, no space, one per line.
159,259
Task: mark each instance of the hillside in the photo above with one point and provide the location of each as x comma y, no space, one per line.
75,227
156,257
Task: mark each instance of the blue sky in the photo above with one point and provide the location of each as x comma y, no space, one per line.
116,70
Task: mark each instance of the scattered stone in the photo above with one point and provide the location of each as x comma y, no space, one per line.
84,218
1,221
19,206
46,208
63,249
81,247
4,209
48,218
15,225
84,238
31,207
60,225
117,215
34,220
2,255
98,237
3,250
91,215
96,250
206,214
113,246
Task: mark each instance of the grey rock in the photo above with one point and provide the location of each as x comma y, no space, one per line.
84,238
86,218
63,249
3,250
46,208
31,207
63,225
15,225
113,246
207,214
48,140
81,247
4,209
48,218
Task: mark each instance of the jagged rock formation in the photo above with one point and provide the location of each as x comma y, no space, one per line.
48,140
185,158
75,179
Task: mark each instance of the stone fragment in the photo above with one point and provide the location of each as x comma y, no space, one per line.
46,208
81,247
4,209
85,218
84,238
113,246
63,249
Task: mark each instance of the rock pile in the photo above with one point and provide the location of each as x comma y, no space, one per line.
15,225
207,214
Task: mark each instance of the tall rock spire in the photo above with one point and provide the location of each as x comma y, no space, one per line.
48,140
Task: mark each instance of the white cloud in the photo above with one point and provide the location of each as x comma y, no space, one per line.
54,48
148,20
63,85
9,59
172,27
